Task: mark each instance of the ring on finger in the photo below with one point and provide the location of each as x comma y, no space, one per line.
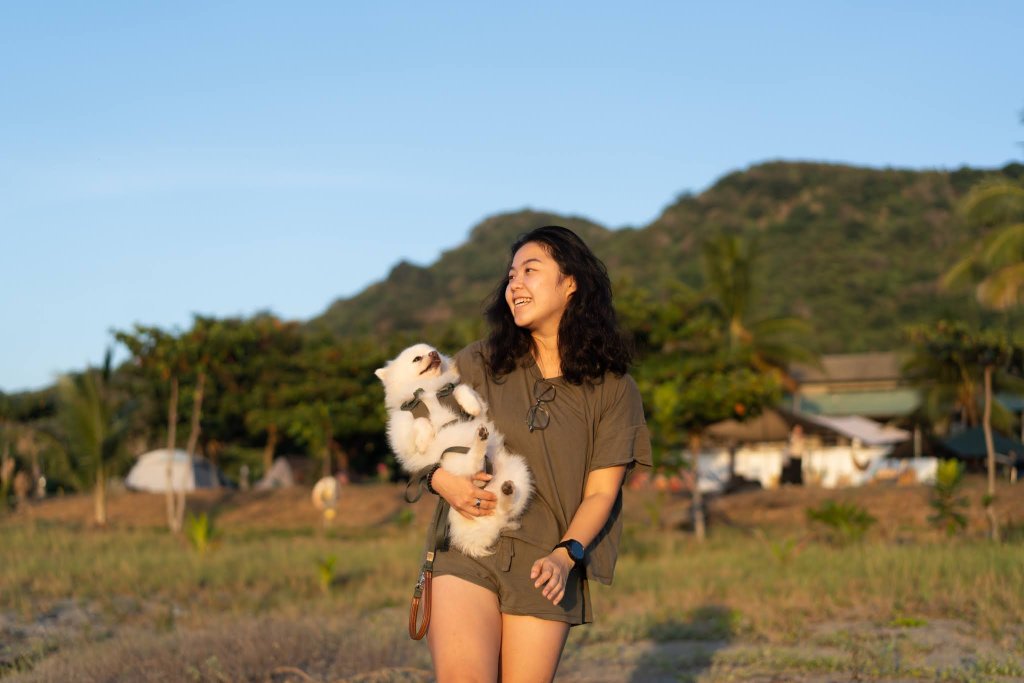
477,504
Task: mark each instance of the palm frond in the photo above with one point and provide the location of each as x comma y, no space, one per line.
1003,246
1002,289
993,202
966,271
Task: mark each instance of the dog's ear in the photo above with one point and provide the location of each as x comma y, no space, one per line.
381,373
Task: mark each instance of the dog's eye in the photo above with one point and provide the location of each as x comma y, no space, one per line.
417,359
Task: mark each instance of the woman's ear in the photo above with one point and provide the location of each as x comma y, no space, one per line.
571,287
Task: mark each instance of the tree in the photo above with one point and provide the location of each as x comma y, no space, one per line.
94,426
774,343
160,355
702,391
692,378
976,357
995,263
262,381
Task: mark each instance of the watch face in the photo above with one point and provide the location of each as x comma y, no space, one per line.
575,549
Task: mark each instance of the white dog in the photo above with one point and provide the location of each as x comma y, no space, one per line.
433,419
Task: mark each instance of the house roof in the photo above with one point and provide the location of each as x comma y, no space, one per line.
775,425
900,401
851,367
970,443
768,426
868,432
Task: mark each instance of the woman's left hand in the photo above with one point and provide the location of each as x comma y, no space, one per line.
552,572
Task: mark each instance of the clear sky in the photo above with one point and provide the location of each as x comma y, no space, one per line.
159,159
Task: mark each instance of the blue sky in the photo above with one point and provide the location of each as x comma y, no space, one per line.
160,159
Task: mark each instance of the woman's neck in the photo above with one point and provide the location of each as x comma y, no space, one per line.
545,353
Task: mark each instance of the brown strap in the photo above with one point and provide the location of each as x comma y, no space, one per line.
414,632
421,595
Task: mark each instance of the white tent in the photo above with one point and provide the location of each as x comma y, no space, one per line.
278,476
150,473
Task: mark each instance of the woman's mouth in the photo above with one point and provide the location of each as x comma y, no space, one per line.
520,301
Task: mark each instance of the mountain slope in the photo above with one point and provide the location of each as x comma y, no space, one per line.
857,251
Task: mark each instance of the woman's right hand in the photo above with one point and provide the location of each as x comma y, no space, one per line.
462,493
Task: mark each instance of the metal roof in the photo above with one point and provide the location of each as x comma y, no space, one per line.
890,403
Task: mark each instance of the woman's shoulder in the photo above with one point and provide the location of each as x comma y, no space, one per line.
614,391
474,352
471,362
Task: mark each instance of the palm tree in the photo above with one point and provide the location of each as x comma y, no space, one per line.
996,262
94,427
772,342
969,360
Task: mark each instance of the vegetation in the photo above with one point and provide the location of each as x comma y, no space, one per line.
334,604
846,522
93,428
953,354
947,500
995,263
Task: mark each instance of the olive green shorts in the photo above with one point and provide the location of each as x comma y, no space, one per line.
506,573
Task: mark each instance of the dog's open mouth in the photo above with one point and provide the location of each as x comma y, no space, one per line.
435,362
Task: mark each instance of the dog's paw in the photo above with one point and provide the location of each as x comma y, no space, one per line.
508,488
424,434
483,433
468,400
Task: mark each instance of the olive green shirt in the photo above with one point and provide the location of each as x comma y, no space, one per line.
592,426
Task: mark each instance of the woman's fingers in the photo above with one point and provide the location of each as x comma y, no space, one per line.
477,504
544,575
552,577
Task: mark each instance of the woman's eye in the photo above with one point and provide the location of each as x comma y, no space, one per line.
417,359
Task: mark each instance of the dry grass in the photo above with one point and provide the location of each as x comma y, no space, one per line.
133,603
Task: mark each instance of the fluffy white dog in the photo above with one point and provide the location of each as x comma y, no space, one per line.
433,419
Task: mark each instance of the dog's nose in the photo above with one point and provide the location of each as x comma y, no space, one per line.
434,355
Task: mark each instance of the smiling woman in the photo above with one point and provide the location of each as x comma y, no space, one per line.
537,293
553,372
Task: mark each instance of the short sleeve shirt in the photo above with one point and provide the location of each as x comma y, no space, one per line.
591,426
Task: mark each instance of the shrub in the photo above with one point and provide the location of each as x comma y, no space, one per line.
946,500
199,529
846,522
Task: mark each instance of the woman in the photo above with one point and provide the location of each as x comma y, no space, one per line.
553,372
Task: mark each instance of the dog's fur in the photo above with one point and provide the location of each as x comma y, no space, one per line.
421,442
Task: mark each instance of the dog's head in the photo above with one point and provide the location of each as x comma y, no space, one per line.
420,366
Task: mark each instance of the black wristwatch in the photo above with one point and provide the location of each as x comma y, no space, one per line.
575,549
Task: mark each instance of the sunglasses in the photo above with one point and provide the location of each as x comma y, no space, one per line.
538,417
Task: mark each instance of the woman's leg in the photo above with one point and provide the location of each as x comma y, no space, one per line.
530,648
465,631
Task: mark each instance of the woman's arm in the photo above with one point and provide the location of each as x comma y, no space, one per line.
599,494
462,494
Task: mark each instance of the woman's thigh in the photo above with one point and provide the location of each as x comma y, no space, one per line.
465,631
530,648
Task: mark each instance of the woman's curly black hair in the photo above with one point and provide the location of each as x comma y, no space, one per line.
590,342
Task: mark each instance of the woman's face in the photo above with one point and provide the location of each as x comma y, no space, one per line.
537,291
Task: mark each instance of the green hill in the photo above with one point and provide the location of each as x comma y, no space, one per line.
857,251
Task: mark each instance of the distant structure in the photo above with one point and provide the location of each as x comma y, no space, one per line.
866,384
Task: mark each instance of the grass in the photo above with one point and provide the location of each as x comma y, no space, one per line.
333,603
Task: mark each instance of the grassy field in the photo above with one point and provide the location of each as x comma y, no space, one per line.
764,599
